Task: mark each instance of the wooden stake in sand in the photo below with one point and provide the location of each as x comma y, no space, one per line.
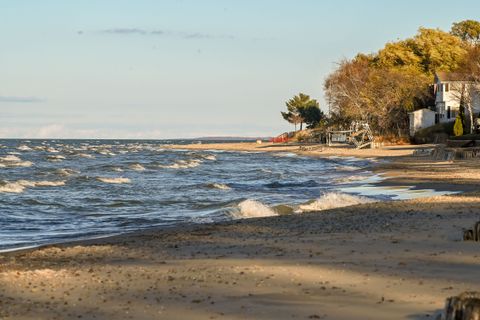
465,306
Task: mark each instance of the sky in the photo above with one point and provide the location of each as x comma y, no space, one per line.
164,69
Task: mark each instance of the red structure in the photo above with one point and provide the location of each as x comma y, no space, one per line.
281,138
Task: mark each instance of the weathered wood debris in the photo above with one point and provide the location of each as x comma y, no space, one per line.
472,234
465,306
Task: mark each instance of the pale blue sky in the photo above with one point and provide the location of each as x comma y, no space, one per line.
165,69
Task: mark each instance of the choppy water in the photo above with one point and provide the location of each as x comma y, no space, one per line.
58,190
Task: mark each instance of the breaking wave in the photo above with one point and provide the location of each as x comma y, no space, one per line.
55,158
66,172
24,148
136,167
11,161
182,164
220,186
333,200
252,209
114,180
20,185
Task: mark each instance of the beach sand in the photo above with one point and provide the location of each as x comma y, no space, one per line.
386,260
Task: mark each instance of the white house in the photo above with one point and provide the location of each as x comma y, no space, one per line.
448,89
420,119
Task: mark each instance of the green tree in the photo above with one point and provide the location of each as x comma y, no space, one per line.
295,110
467,30
311,114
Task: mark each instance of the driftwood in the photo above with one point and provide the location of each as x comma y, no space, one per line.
465,306
472,234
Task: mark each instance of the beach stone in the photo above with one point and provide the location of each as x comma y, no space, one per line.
465,306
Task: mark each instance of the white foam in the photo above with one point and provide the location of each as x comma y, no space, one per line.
14,161
20,185
333,200
252,209
346,168
183,164
56,158
119,180
86,155
66,172
11,187
220,186
136,167
107,153
210,157
24,148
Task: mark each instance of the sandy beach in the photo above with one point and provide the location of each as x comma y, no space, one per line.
384,260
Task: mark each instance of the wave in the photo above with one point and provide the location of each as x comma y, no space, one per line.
66,172
86,155
333,200
350,179
119,180
276,184
13,161
252,209
24,148
136,167
182,164
220,186
20,185
347,168
210,157
106,153
56,158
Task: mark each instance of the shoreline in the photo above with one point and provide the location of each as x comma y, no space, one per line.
389,259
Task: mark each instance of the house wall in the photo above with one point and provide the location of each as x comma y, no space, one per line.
451,98
447,98
420,119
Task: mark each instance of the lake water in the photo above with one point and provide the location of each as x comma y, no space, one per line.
60,190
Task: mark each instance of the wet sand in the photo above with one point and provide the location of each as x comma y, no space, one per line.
388,260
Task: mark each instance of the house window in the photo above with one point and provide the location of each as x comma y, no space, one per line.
448,112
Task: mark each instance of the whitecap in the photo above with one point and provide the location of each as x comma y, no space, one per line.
11,187
66,172
20,185
119,180
56,158
24,147
220,186
86,155
346,168
183,164
332,200
210,157
136,167
14,161
252,209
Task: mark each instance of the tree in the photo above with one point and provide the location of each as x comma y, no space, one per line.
468,89
312,115
467,30
458,127
296,112
381,88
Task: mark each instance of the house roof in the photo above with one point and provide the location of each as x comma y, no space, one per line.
443,76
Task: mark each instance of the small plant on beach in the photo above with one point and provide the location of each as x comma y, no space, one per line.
458,126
